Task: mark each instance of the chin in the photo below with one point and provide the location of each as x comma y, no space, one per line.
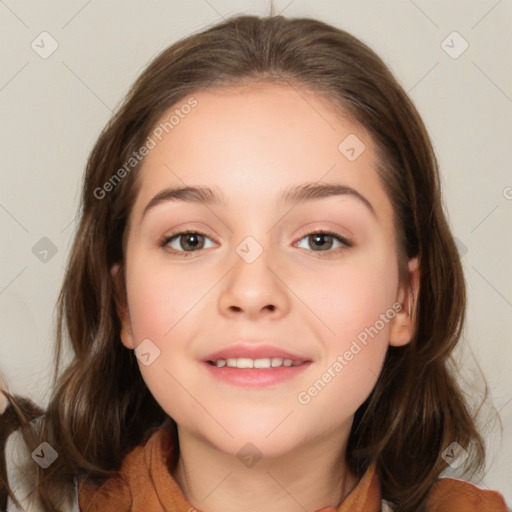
257,442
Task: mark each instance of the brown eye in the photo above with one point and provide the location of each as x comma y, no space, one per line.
191,241
324,240
185,242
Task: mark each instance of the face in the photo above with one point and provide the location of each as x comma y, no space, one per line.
258,269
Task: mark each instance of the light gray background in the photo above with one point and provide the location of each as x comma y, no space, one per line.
53,109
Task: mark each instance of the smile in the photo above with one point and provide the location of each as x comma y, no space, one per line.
244,362
255,373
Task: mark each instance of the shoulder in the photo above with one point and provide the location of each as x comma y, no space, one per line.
93,498
123,487
452,495
21,482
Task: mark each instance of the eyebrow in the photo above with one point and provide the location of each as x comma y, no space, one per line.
290,196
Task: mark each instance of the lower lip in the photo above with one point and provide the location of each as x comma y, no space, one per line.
256,377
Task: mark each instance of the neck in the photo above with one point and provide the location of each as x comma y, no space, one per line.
314,476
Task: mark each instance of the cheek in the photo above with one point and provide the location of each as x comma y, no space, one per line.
159,298
350,295
162,302
354,303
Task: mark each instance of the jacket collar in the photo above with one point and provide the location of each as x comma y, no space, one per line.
145,483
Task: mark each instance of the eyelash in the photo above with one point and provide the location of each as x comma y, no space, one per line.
187,254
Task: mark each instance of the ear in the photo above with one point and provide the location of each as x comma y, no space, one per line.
402,325
122,308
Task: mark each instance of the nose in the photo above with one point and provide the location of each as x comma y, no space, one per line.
254,287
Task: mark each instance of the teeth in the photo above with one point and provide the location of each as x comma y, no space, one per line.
243,362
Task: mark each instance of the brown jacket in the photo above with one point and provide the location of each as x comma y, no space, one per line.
146,485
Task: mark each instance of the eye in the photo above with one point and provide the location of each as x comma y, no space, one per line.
191,241
318,239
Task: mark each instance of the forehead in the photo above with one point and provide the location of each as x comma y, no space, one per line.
253,141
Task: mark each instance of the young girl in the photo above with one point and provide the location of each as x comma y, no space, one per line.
262,294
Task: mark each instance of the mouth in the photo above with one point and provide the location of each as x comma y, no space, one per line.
260,363
246,355
257,373
255,364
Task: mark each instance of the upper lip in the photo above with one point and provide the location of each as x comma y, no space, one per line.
254,351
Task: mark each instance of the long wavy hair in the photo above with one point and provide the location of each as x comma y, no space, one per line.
100,407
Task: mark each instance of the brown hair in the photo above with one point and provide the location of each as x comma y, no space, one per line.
93,421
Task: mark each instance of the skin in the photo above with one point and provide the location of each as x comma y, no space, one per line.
252,142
